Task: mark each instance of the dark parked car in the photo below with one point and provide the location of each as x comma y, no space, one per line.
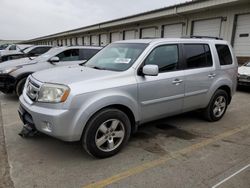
31,52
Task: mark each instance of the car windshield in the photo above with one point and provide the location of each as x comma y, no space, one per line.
116,56
52,52
27,49
247,64
4,46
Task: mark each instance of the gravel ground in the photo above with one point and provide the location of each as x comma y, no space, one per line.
5,181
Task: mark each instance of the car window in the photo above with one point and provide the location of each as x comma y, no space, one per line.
117,56
4,46
224,54
86,54
197,56
69,55
13,47
166,57
39,50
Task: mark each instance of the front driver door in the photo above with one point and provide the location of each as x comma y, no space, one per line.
162,95
69,57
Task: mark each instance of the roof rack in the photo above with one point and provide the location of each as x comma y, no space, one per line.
201,37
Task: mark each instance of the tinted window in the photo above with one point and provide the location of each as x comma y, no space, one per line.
13,47
86,54
197,56
224,54
166,57
39,50
69,55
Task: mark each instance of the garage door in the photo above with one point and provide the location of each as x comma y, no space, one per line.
86,41
115,36
79,41
209,27
94,40
242,36
68,42
173,30
104,39
148,32
73,41
131,34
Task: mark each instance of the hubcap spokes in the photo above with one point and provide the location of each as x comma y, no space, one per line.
109,135
219,106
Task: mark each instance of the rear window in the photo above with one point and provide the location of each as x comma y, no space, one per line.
198,56
224,54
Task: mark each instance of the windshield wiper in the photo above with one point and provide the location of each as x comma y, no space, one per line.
98,68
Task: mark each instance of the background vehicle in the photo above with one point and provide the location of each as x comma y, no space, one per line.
13,74
13,47
31,52
244,75
127,84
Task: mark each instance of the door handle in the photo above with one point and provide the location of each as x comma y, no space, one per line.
212,75
177,81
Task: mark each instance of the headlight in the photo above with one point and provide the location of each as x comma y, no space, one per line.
9,70
53,93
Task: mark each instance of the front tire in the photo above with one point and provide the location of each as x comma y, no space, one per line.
217,106
19,87
106,133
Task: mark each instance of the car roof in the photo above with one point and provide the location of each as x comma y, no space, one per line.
179,40
81,47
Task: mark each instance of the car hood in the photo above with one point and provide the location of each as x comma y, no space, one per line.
244,70
17,63
73,74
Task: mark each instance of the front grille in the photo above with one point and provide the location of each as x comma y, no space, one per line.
32,89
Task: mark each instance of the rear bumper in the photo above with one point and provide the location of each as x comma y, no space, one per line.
7,83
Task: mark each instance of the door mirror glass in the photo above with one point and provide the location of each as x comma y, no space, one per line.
150,70
54,60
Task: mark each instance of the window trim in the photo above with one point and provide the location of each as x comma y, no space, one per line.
185,56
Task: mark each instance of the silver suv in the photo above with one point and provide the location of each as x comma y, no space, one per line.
127,84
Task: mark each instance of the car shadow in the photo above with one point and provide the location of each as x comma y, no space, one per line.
244,89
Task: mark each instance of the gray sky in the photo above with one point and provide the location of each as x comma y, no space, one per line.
27,19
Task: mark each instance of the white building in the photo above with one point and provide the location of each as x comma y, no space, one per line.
227,19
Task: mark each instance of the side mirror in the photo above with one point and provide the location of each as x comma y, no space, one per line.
54,60
150,70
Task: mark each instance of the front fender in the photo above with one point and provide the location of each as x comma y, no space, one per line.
92,103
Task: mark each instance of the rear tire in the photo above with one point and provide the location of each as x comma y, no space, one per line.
106,133
19,87
217,106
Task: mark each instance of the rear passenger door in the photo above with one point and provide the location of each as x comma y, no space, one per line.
199,75
162,95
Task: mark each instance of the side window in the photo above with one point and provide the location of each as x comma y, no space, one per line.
198,56
166,57
86,54
224,54
13,47
39,50
69,55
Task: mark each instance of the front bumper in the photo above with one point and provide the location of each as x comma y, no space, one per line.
53,122
7,83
